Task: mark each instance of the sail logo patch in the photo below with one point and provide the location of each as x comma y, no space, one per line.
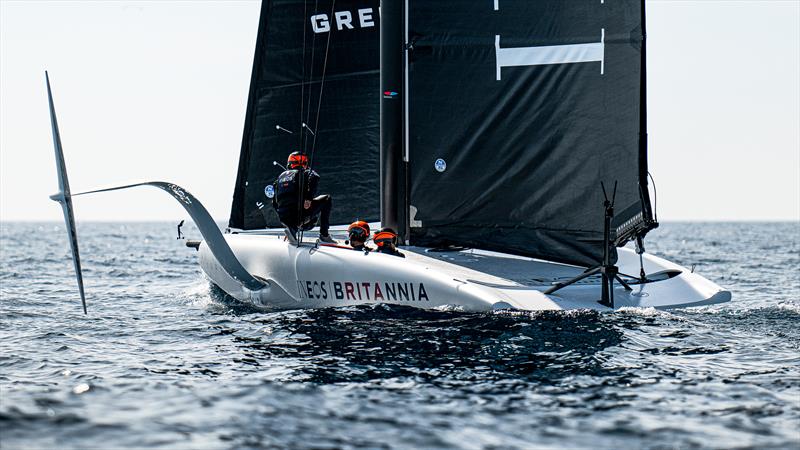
390,94
551,54
321,23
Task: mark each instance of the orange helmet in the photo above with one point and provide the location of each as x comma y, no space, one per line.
358,230
297,159
386,235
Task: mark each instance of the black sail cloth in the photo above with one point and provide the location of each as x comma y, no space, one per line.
508,150
285,90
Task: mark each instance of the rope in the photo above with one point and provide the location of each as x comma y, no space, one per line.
303,78
310,80
301,194
321,88
308,108
655,197
308,113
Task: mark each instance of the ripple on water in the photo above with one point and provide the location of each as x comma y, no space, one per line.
165,360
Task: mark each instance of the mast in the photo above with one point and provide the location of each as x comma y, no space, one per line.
392,161
643,170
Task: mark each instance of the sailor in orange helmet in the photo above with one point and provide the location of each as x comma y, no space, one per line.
386,240
296,210
358,233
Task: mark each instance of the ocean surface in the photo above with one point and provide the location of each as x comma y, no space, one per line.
164,361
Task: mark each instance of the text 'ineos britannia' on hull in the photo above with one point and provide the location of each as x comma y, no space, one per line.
364,290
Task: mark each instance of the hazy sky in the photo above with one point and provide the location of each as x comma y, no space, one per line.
157,90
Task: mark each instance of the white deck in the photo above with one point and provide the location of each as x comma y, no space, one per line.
474,279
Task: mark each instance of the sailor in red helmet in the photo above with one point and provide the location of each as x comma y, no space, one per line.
386,240
299,210
358,234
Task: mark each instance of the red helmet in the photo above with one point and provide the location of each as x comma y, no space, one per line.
358,230
385,236
297,159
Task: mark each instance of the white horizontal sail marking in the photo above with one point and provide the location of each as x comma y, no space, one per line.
551,54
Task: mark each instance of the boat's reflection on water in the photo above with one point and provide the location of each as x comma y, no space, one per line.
374,342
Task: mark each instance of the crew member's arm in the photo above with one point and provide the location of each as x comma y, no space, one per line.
312,181
275,194
312,184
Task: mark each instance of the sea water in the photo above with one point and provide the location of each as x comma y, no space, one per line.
164,361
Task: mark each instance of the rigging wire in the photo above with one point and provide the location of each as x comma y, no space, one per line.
310,82
303,63
319,98
655,196
301,194
308,109
321,88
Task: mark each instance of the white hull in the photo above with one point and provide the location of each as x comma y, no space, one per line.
312,277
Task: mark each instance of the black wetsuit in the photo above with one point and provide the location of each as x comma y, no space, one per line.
287,202
393,252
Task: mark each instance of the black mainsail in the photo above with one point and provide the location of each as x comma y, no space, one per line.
517,111
301,43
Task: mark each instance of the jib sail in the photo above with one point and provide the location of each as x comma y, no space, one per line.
517,111
316,62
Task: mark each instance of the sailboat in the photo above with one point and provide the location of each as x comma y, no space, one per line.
504,141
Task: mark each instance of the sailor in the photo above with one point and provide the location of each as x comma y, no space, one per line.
386,240
358,233
293,214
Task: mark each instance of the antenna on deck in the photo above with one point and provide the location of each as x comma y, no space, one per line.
608,271
640,251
